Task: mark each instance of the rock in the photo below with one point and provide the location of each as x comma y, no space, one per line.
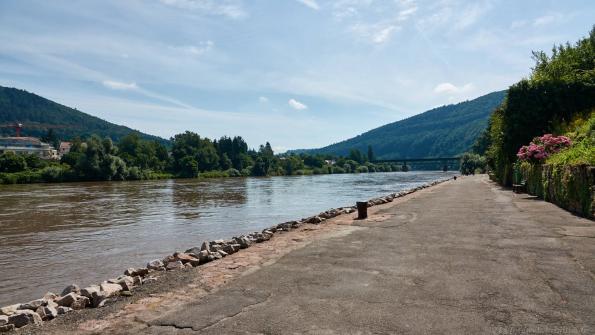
23,318
155,264
98,299
63,310
50,296
231,248
222,253
67,300
110,289
184,258
314,220
205,246
136,272
188,266
203,256
80,303
3,320
126,282
88,291
137,280
34,304
6,328
73,288
174,265
126,294
168,259
47,312
9,310
243,242
193,251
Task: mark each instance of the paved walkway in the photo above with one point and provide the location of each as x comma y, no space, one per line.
463,258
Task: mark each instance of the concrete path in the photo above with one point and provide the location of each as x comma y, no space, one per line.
463,258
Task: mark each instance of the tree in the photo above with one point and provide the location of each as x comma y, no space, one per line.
371,157
356,155
11,162
471,162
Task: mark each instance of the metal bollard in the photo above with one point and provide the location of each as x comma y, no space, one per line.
362,209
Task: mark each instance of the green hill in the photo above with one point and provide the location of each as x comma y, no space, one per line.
38,114
444,131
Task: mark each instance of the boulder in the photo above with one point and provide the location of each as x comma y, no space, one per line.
88,291
67,300
168,259
193,251
205,246
80,303
110,289
50,296
73,288
9,310
155,264
98,299
222,253
3,320
6,328
23,318
137,280
174,265
230,248
47,312
203,256
136,272
63,310
34,304
314,220
184,258
243,242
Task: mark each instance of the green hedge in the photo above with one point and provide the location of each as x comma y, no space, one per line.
569,186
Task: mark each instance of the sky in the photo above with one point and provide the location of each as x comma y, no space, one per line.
297,73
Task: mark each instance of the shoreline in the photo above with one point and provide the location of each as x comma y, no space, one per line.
160,276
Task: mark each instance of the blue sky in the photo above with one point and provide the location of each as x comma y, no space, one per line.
297,73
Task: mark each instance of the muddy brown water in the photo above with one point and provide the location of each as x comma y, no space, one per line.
52,235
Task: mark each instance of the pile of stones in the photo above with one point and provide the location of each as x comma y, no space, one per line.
73,298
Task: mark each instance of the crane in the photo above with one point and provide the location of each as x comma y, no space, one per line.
18,127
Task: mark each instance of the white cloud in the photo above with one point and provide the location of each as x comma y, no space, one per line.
375,33
263,99
228,8
310,3
296,105
449,88
117,85
546,19
383,35
199,49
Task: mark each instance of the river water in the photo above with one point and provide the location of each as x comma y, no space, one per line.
52,235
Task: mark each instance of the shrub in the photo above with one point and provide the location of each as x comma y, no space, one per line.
542,147
361,169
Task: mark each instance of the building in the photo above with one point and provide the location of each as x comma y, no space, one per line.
28,145
64,148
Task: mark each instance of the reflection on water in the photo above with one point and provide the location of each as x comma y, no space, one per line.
54,234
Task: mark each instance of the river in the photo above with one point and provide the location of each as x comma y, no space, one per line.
52,235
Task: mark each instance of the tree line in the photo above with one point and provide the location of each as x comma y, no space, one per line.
559,91
190,156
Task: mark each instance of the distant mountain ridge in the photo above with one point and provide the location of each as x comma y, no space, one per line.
445,131
38,114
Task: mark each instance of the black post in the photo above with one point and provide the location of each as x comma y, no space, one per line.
362,210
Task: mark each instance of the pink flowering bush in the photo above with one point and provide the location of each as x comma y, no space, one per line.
542,147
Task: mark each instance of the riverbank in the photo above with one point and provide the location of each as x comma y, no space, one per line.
94,296
461,257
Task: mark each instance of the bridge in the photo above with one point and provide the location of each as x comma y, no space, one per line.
445,163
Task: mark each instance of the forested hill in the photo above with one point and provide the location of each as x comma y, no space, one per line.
38,115
441,132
